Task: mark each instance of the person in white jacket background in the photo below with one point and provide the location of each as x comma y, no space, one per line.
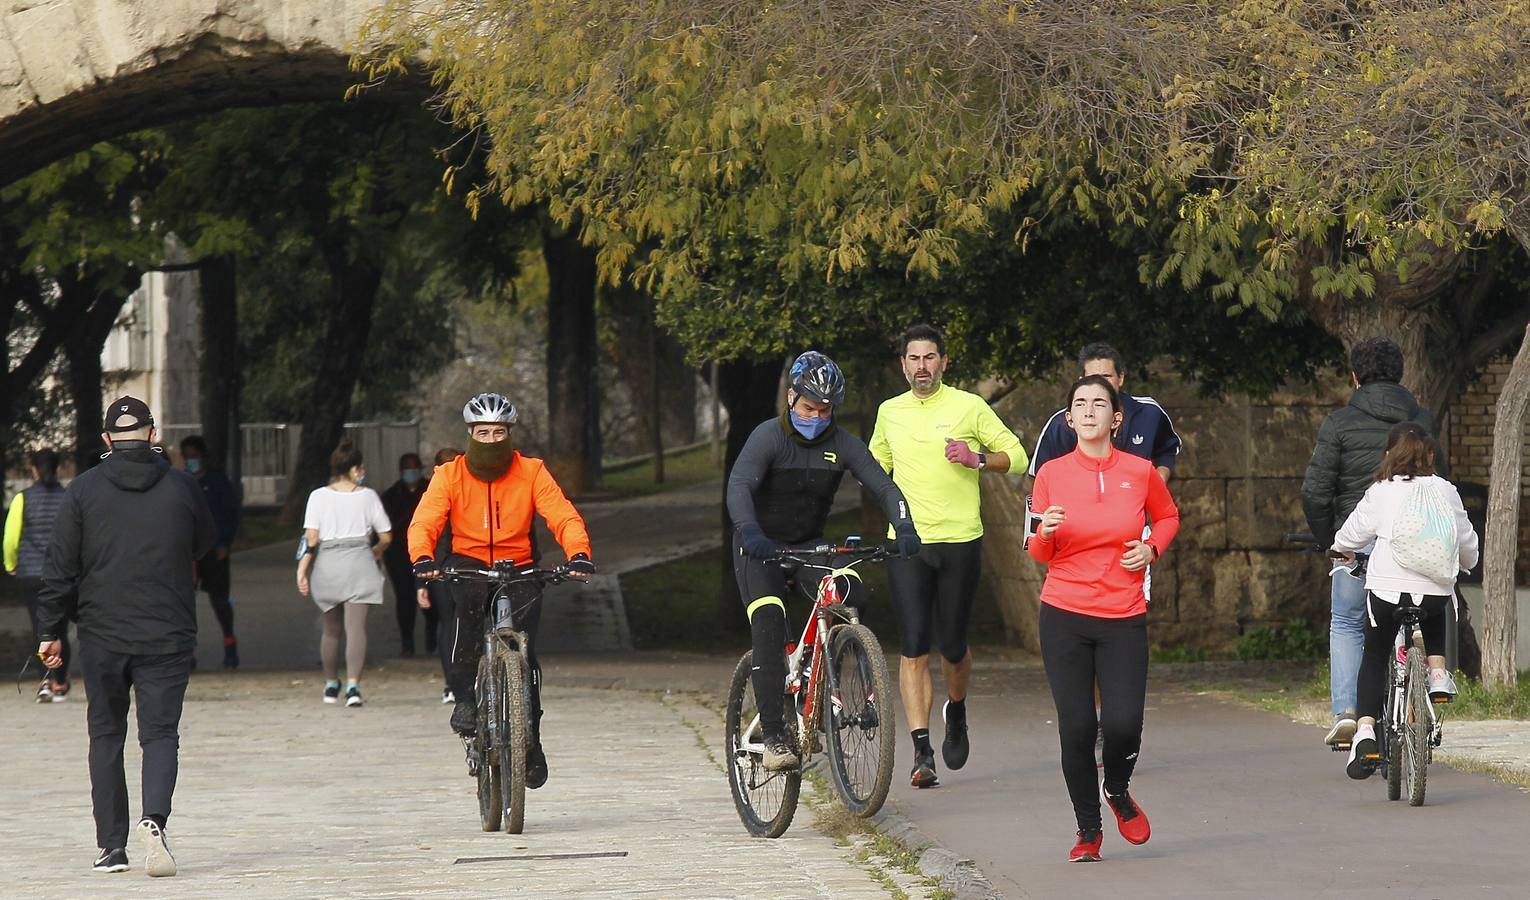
1407,467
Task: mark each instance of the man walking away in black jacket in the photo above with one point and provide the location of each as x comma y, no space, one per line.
1350,444
214,573
122,556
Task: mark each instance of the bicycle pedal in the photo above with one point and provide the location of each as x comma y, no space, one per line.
1339,748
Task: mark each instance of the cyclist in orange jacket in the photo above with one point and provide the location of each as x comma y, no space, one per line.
489,495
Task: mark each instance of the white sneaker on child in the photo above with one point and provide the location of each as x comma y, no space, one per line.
1442,686
1364,756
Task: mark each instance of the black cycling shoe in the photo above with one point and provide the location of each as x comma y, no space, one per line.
923,775
954,748
465,718
536,767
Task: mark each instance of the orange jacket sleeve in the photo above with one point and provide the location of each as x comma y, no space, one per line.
562,518
429,519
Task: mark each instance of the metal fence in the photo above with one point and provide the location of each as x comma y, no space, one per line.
269,451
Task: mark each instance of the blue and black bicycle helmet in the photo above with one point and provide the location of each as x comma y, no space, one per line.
816,377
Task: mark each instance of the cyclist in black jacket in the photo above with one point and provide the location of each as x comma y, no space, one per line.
779,494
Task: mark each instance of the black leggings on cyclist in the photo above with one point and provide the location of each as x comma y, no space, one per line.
470,602
933,593
764,590
1381,622
1080,651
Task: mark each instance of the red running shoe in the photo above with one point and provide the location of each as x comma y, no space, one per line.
1130,818
1088,847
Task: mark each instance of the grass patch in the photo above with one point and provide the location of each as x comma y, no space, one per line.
1476,701
876,851
674,605
1293,640
680,470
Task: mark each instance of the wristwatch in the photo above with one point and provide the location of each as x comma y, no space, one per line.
982,461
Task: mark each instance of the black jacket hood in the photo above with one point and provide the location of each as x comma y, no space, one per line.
1386,400
135,468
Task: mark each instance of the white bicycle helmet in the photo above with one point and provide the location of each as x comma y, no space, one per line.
489,407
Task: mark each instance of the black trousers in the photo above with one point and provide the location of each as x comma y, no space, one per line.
111,681
445,610
470,601
31,588
1379,639
1080,651
216,579
401,574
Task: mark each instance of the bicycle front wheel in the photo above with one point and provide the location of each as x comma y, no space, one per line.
859,720
515,729
1416,740
766,801
490,802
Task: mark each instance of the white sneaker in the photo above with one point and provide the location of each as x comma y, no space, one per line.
157,860
448,697
1342,732
1442,686
1363,755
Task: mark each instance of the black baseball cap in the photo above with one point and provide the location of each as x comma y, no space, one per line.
127,414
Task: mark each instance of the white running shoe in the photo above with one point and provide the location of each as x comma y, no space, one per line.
1442,686
157,860
448,697
1342,732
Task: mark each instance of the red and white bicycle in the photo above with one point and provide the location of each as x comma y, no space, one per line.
836,681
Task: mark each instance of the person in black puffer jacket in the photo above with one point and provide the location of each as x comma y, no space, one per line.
1350,444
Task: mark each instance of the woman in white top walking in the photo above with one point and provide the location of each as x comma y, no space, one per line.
344,565
1407,467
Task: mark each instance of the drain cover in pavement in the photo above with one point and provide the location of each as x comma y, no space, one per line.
613,854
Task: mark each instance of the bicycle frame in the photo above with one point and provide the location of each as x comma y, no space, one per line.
1409,634
827,605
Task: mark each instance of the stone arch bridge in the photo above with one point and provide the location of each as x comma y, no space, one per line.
74,72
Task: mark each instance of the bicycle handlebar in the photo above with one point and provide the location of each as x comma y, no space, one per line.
507,575
820,554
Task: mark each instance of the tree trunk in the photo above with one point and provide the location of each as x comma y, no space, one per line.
751,393
573,385
82,349
1500,626
347,325
221,366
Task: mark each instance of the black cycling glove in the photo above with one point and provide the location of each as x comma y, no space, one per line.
906,541
580,564
755,544
425,567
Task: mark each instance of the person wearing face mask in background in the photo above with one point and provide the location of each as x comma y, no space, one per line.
214,571
400,501
936,440
434,596
345,565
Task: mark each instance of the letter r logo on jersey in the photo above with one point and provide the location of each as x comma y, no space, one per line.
830,456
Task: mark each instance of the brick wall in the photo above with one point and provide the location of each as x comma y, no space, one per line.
1470,434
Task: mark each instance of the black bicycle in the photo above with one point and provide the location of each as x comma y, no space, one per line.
496,752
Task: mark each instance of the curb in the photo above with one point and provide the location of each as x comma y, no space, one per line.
956,873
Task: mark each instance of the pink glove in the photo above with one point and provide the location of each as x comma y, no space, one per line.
961,454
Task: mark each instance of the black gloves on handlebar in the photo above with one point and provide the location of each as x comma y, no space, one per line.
755,544
906,541
425,567
580,564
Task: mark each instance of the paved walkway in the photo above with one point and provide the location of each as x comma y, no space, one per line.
282,796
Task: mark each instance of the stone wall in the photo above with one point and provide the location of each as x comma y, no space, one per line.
1470,422
1237,483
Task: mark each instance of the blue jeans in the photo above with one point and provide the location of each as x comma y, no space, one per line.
1346,641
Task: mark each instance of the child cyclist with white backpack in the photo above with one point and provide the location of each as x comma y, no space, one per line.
1423,540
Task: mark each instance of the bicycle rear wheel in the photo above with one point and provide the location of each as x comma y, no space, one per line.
490,802
1416,741
766,801
516,732
859,720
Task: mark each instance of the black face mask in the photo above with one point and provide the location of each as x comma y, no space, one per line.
490,462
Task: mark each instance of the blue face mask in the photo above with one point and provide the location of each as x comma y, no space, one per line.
810,427
193,466
411,477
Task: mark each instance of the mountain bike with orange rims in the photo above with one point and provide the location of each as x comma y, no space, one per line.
837,682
